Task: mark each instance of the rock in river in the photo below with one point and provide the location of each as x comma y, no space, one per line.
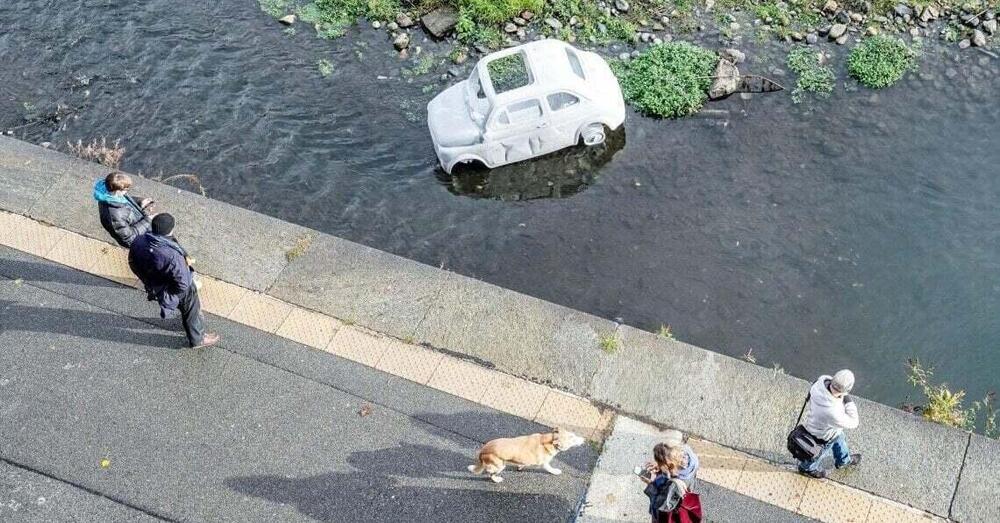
440,21
978,38
622,6
403,20
727,79
837,30
287,20
402,41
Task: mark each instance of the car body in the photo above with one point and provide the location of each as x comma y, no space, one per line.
524,102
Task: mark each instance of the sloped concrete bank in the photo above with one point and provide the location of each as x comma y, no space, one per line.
930,467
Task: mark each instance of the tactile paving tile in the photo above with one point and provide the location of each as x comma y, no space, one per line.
409,361
834,503
779,487
309,328
356,345
25,234
514,395
603,426
112,264
219,297
461,379
570,412
886,511
261,311
719,465
78,252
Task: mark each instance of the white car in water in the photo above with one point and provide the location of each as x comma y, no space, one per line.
524,102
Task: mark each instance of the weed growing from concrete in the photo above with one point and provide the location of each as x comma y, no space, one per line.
942,405
100,151
813,76
609,342
668,80
880,61
665,332
301,246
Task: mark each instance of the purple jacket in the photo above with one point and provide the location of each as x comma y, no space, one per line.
161,265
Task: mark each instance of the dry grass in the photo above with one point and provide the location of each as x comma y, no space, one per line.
300,248
100,151
193,178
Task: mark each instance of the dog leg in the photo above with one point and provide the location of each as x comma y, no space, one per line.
495,471
551,470
495,478
476,469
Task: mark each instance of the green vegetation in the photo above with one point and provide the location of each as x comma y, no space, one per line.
495,11
508,73
325,67
593,25
609,343
301,246
946,407
423,65
668,80
813,76
880,61
665,332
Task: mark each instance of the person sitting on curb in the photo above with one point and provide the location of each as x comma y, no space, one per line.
124,217
831,411
157,259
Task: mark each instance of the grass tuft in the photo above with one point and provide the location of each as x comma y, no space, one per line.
668,80
609,342
880,61
813,77
108,155
946,406
665,332
301,246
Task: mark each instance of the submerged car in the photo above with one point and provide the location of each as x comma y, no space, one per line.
524,102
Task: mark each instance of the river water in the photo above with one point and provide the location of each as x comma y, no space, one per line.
857,231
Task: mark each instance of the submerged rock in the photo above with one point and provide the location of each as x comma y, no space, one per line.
733,55
727,79
288,19
402,41
404,20
978,38
837,30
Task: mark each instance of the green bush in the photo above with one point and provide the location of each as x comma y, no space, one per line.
497,11
332,17
880,61
813,77
668,80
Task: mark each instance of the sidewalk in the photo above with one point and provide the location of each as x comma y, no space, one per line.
265,420
259,429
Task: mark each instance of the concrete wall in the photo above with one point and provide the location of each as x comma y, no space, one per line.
718,398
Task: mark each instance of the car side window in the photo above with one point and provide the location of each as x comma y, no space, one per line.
562,100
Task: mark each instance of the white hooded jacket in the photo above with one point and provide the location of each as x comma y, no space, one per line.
828,416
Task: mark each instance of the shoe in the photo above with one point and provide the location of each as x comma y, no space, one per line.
210,339
818,474
855,460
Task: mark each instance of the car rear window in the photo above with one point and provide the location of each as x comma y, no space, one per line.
574,63
509,72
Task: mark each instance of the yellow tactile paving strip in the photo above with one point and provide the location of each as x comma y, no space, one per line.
820,499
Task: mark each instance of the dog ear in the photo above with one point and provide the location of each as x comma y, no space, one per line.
557,430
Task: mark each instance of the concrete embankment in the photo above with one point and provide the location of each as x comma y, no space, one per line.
751,408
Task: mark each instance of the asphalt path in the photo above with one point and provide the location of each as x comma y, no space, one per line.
103,417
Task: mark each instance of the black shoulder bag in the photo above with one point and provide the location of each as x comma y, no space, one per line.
803,445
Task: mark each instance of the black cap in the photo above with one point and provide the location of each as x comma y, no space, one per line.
163,224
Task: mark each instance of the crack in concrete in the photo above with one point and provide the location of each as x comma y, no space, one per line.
958,479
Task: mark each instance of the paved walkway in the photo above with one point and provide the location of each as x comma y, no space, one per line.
255,429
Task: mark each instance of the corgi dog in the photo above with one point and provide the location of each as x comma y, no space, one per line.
524,451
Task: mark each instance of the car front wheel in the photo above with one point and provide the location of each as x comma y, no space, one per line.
593,134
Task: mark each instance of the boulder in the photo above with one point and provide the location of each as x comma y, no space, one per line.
402,41
287,20
857,17
990,27
404,20
902,10
440,21
727,80
519,21
964,44
978,38
842,40
527,15
830,6
511,27
837,30
812,38
622,6
734,56
554,23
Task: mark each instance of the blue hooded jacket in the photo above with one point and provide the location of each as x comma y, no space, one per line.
121,216
160,264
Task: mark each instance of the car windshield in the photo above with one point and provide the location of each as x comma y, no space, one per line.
475,97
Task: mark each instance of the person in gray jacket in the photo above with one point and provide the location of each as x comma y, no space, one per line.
831,411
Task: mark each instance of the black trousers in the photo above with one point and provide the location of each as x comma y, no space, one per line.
194,322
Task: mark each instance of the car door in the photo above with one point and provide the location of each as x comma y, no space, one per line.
566,111
518,131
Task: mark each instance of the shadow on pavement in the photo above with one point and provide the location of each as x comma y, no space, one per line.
406,483
15,316
50,272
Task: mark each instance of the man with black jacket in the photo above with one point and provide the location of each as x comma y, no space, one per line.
124,217
161,264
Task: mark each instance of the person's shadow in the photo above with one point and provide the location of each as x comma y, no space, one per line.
16,316
408,483
49,272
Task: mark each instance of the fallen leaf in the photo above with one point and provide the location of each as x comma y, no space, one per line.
105,463
366,409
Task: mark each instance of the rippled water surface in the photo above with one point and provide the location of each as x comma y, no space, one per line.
857,231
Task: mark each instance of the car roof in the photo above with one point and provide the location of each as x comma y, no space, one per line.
547,64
